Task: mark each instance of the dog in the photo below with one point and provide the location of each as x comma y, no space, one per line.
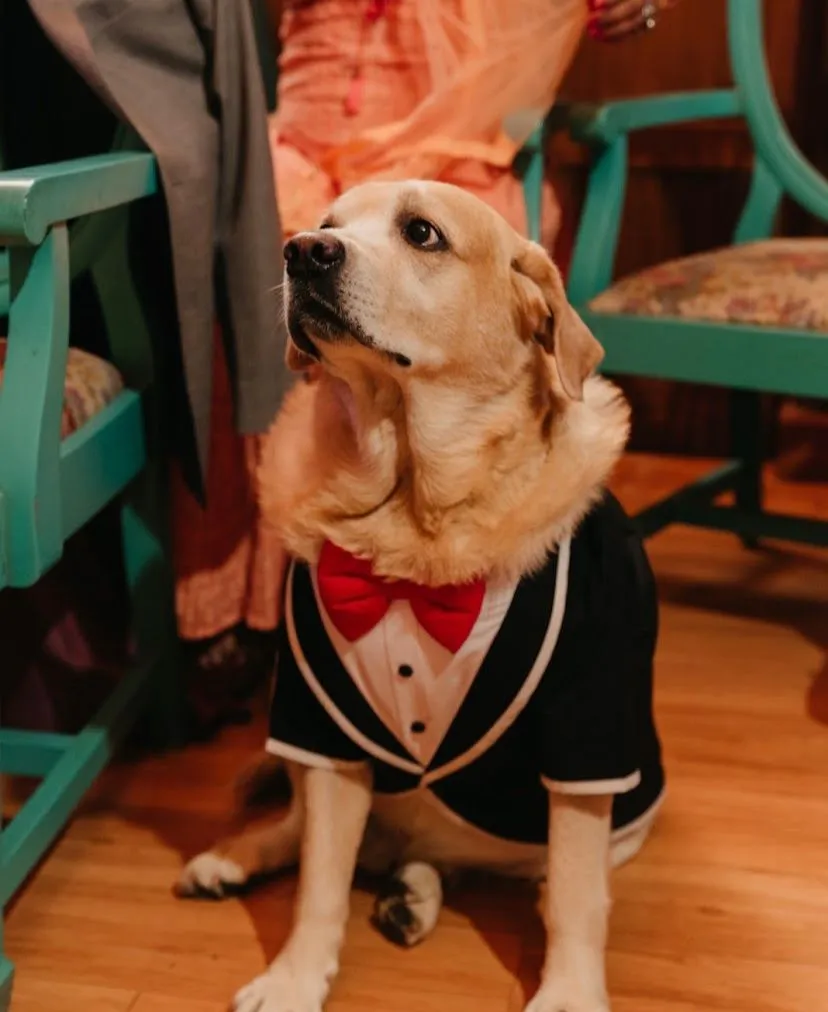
464,678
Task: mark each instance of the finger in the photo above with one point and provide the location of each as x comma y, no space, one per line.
616,12
617,32
623,30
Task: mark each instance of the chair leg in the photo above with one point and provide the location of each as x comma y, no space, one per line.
746,443
149,573
6,974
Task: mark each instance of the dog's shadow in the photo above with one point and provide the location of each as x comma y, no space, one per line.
503,913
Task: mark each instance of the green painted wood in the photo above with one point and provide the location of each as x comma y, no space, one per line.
49,488
4,542
147,557
91,234
30,753
596,240
31,200
6,978
770,135
99,460
34,828
532,175
5,282
31,402
758,216
792,362
601,125
144,513
130,338
753,527
668,510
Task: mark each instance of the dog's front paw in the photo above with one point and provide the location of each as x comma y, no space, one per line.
568,996
210,875
280,990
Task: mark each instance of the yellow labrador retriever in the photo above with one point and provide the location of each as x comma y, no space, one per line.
465,669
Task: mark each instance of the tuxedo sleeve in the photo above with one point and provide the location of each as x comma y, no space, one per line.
596,722
301,728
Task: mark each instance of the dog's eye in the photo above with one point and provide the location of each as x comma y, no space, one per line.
423,234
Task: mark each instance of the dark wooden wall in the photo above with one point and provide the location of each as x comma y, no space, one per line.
687,183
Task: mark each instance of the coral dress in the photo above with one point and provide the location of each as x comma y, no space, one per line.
368,89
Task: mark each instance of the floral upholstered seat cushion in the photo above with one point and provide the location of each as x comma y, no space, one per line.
776,283
91,384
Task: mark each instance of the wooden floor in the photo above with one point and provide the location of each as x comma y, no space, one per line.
725,910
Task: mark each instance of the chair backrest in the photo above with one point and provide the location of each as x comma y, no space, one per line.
34,293
5,295
780,166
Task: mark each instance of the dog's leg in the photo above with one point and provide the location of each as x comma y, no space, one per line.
231,864
577,905
337,805
408,906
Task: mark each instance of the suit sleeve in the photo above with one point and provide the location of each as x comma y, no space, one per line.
301,728
598,720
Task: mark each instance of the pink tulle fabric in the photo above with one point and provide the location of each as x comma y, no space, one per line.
369,90
438,83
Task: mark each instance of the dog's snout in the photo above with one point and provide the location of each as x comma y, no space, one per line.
313,253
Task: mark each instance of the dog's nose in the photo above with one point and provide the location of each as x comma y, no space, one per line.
313,253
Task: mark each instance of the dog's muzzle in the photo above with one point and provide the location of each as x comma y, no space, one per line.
312,256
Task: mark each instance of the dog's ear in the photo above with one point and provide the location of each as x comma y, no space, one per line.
552,321
296,359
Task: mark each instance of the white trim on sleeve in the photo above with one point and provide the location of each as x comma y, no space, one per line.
619,785
301,756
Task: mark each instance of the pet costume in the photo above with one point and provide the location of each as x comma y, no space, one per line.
489,694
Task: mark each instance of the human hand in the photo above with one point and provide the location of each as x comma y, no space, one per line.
613,20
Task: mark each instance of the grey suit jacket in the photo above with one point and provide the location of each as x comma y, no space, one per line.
185,75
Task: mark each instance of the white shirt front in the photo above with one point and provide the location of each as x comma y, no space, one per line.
414,684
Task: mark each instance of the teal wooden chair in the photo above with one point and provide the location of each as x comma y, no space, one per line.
752,317
56,222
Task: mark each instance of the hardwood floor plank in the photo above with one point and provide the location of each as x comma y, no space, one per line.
33,994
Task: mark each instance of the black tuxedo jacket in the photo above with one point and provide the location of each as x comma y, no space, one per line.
562,701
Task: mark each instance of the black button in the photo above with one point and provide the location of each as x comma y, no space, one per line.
405,671
418,727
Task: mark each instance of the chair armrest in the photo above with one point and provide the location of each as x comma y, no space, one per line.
602,124
32,200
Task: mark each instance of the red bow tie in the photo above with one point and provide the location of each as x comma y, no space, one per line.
356,600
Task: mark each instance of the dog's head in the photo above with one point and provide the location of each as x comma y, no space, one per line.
422,279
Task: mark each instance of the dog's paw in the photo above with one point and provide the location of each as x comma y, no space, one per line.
210,875
568,996
278,991
407,907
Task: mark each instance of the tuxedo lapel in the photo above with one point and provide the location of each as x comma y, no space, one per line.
512,668
323,660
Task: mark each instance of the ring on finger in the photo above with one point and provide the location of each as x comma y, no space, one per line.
648,16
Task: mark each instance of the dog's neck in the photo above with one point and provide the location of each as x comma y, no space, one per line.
439,485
